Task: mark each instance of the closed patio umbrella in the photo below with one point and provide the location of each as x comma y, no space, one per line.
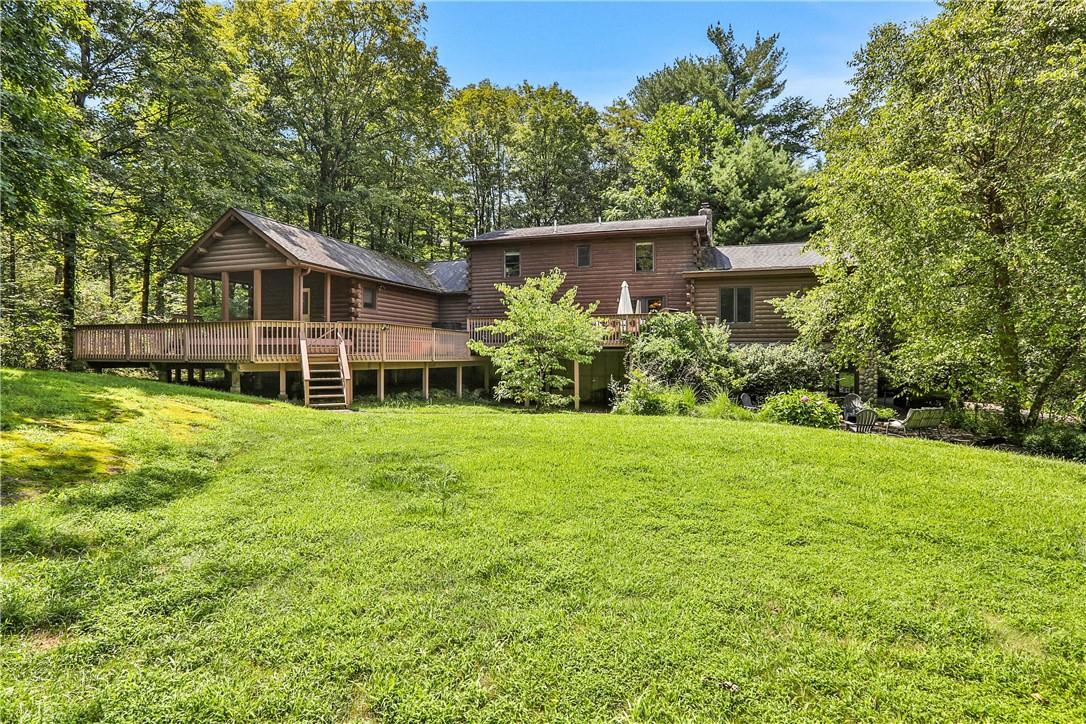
625,306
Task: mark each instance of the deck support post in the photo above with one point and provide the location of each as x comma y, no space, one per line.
163,372
426,382
576,385
258,295
235,378
381,382
226,296
459,380
191,375
203,375
190,295
486,377
282,382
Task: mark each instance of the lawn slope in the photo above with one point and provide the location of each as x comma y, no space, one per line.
175,554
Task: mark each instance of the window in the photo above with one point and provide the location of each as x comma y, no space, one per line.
650,304
584,255
369,297
512,263
643,256
735,305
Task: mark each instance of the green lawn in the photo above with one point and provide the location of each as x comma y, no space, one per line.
174,554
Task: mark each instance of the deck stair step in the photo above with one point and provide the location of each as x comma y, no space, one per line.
325,386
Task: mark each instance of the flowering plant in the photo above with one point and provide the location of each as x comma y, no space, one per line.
800,407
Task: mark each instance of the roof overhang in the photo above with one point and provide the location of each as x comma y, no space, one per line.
545,235
750,270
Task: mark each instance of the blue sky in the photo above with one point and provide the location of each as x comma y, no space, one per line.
598,49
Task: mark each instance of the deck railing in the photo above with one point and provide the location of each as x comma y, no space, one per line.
266,341
617,326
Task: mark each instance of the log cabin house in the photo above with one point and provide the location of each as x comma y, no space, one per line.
295,302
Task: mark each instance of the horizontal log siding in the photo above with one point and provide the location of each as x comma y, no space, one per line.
612,262
237,250
395,305
768,325
341,299
452,308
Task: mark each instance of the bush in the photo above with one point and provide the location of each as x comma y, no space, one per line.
646,395
800,407
762,371
1061,441
679,351
722,408
885,413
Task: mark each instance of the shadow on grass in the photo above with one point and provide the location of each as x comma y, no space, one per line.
147,486
25,536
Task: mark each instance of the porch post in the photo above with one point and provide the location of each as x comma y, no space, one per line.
235,378
190,293
459,380
327,297
226,296
258,307
576,385
282,382
381,382
426,382
486,377
296,295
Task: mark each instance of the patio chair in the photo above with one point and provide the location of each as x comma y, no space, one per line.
853,404
865,421
745,401
916,419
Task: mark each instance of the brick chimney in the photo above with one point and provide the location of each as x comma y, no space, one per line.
708,214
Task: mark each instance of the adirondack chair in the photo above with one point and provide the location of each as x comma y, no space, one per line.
865,421
917,418
745,401
853,404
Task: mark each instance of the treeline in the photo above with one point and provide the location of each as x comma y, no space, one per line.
129,126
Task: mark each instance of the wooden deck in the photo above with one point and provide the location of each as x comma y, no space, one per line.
617,327
249,342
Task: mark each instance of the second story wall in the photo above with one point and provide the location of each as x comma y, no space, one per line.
611,261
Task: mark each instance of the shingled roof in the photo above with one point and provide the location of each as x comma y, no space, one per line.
757,257
675,223
450,276
309,247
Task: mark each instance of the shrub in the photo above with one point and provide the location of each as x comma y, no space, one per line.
1078,407
722,408
763,371
1061,441
800,407
885,413
678,350
646,395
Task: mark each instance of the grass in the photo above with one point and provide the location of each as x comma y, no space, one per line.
171,554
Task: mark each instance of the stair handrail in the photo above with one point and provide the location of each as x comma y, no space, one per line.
304,346
344,366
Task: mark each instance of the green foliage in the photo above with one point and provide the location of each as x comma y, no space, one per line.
647,395
764,370
953,196
1056,440
743,83
721,407
542,334
761,195
800,407
1078,407
679,350
670,162
886,414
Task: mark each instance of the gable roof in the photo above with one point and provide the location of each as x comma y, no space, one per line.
758,257
309,247
646,226
450,276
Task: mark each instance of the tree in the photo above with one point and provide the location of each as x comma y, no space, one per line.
351,94
478,125
742,83
542,334
670,163
678,350
954,202
760,194
553,157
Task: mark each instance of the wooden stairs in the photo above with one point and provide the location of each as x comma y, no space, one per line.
326,375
